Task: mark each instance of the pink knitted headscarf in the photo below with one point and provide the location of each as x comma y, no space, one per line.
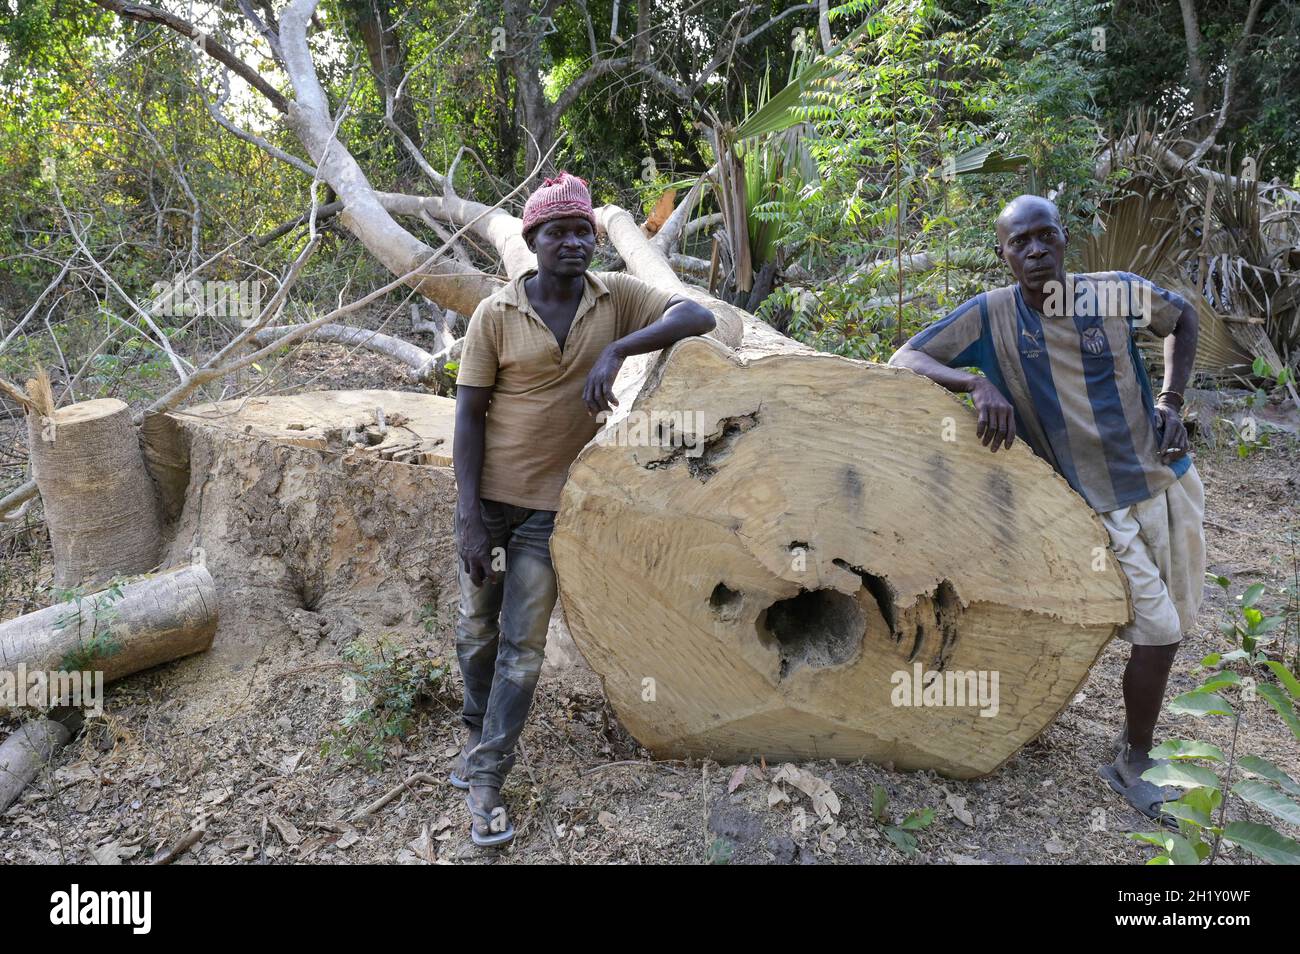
559,198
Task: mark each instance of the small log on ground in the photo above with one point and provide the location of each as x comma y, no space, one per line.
29,749
100,505
155,620
423,365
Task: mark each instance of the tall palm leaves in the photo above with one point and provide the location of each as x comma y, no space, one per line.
1237,242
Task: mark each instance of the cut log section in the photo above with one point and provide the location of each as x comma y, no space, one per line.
766,581
321,511
99,504
145,624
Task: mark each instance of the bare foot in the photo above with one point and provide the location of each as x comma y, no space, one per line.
1130,765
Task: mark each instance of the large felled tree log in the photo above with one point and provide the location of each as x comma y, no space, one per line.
147,623
767,578
99,504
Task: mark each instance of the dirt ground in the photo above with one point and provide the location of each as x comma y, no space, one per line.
240,753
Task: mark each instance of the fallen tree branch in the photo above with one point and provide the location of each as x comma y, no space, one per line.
30,748
326,211
423,364
670,233
214,110
37,303
213,368
17,500
162,341
403,786
186,842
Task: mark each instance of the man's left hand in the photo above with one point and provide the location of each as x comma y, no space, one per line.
1172,433
598,394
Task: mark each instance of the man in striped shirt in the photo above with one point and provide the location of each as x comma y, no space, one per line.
1061,369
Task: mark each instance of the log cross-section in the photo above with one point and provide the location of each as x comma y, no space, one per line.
818,570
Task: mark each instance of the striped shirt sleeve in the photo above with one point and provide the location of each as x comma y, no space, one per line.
478,354
959,340
1151,306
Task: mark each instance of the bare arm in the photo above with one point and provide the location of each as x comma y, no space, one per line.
682,318
1180,350
1180,356
467,458
997,418
958,382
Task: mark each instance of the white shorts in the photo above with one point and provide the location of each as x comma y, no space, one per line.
1160,543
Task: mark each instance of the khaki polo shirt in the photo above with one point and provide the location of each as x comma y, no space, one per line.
536,421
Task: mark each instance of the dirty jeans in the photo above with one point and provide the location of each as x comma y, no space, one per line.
501,634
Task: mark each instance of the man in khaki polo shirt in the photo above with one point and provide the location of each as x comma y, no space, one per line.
538,365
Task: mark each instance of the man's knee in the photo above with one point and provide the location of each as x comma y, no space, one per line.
1155,656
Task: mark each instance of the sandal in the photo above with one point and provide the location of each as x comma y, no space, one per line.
456,777
499,826
1147,798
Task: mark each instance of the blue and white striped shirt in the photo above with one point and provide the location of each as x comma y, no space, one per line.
1082,398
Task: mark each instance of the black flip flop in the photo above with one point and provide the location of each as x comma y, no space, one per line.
1142,795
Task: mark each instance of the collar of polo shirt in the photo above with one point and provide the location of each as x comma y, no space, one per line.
513,292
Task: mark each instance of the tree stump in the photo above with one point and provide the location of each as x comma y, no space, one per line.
320,512
99,504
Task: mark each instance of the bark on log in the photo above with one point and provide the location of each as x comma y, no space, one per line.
155,620
99,504
839,524
22,756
